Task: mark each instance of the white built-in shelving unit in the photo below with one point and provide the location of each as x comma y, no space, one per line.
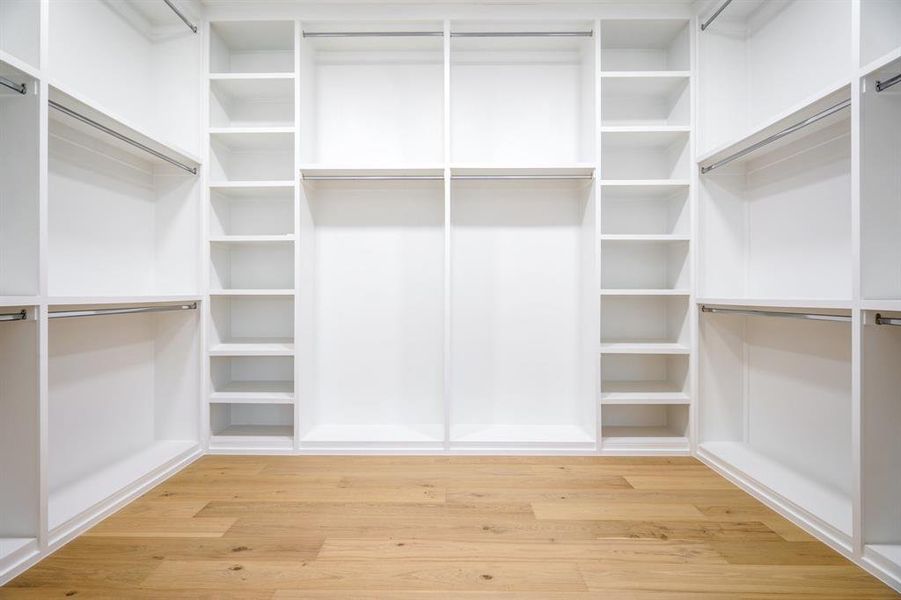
799,216
305,231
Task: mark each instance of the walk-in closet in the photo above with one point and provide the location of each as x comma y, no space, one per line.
303,297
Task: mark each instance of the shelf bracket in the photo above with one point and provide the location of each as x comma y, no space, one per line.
16,87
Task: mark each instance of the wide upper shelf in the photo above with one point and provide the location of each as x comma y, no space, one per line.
90,118
791,123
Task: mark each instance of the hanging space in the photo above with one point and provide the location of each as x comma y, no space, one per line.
880,206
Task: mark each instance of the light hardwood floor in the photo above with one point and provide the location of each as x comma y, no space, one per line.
550,528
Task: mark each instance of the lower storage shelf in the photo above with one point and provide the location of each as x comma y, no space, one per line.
520,434
70,501
827,505
375,433
251,426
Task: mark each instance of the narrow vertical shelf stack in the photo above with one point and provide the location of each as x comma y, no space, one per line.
646,232
880,286
251,233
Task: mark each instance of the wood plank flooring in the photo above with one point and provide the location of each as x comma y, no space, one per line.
523,528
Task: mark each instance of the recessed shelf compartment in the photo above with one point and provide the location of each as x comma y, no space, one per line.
645,379
645,153
514,343
252,326
20,174
20,452
758,239
252,46
251,426
628,323
499,83
252,379
264,267
252,102
645,45
880,187
880,21
372,99
137,61
645,428
775,402
372,299
20,30
129,384
759,59
655,99
251,156
645,210
121,221
880,444
631,265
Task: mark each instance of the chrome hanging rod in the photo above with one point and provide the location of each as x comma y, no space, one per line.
364,34
373,178
96,312
880,320
17,316
181,15
481,34
16,87
881,86
777,136
524,176
117,135
772,313
713,17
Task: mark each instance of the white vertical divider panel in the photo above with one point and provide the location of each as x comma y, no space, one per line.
598,247
856,314
299,237
205,315
693,244
448,240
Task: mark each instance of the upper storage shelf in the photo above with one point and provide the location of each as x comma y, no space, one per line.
20,30
139,62
645,45
522,93
758,60
373,92
252,47
880,30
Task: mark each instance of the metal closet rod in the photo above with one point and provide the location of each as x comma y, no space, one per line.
119,136
713,17
181,15
880,320
881,86
470,34
16,316
772,313
96,312
777,136
16,87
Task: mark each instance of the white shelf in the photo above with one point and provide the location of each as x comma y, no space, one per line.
255,139
375,433
665,132
67,503
642,439
253,292
643,292
252,239
517,434
250,76
235,187
642,392
651,75
254,392
888,304
778,303
61,301
253,349
882,61
644,348
579,169
108,119
392,170
240,131
658,183
645,237
818,102
253,437
826,504
19,300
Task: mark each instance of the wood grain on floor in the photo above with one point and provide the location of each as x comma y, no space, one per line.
469,528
